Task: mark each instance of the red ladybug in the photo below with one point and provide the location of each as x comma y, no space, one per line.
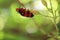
24,12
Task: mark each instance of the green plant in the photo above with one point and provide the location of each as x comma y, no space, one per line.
54,17
53,35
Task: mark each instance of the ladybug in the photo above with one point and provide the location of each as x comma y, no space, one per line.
24,12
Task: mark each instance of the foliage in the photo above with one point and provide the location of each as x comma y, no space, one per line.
45,25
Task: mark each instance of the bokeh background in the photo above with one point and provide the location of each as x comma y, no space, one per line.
13,26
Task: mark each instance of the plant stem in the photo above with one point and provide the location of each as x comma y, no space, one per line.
55,22
44,15
54,16
51,8
40,29
38,26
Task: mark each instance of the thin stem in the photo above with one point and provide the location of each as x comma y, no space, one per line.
45,15
54,16
39,27
48,9
51,8
20,3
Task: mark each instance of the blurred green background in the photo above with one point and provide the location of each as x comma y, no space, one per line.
13,26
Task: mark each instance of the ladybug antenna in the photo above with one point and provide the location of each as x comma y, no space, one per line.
20,3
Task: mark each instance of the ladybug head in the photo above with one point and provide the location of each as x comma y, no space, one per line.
17,9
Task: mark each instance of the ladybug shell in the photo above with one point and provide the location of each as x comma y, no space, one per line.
24,12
